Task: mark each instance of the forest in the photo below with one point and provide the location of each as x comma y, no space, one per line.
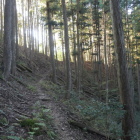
69,70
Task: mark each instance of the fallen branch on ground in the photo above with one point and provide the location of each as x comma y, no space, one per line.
22,113
61,80
89,129
19,81
28,69
21,67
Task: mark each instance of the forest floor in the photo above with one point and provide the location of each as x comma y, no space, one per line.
28,111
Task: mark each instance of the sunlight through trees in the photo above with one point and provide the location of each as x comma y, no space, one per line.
93,47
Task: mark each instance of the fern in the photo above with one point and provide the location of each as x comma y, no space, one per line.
13,137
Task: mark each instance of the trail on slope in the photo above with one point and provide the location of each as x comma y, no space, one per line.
61,117
60,122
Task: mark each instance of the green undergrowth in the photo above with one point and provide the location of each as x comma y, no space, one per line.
138,123
32,88
99,115
102,116
45,120
58,92
41,124
3,119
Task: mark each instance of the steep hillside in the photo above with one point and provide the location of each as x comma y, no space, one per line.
32,107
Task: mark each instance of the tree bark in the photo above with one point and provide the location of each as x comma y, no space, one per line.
7,38
24,27
51,43
1,18
79,50
13,36
68,68
126,96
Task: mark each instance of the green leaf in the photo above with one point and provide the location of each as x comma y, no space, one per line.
51,134
31,133
35,128
40,124
46,110
14,137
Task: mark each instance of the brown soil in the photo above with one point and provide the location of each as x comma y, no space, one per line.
17,101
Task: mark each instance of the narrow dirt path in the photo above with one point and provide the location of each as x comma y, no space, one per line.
59,120
61,117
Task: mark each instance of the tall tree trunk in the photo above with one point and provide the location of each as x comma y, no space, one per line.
16,31
74,40
51,43
1,29
138,82
24,29
63,54
13,37
68,68
7,38
42,27
79,50
46,44
105,54
126,96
